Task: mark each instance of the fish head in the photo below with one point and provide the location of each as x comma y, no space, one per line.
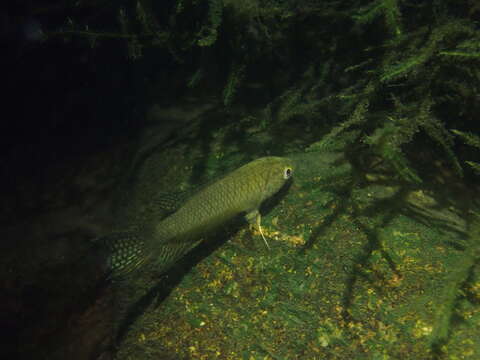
278,171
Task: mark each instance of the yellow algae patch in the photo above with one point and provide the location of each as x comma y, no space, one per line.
297,240
422,329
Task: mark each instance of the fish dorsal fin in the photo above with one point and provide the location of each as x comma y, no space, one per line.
170,201
218,175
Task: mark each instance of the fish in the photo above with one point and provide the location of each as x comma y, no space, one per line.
162,243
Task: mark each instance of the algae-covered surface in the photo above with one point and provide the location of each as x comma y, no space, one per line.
360,266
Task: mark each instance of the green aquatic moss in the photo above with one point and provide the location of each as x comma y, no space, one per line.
472,140
234,80
388,9
209,32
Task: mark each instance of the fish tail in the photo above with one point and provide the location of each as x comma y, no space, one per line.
121,253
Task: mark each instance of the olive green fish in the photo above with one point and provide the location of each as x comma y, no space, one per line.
242,191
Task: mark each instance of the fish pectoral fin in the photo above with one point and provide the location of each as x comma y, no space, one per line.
255,219
252,216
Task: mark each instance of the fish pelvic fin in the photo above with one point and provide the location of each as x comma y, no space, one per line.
255,219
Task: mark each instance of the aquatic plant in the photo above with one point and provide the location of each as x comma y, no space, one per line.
473,140
396,71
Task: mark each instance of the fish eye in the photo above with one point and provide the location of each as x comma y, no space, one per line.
287,173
